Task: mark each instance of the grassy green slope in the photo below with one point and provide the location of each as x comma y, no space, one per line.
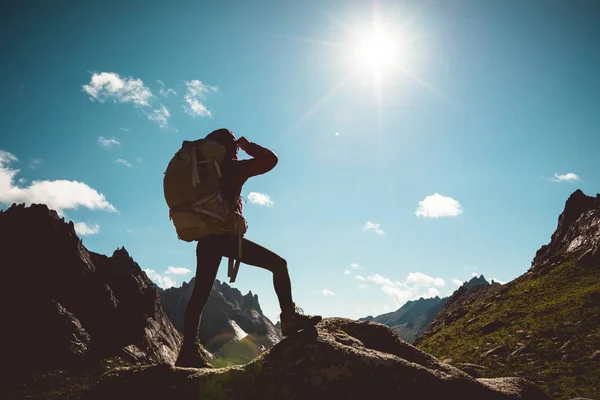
540,312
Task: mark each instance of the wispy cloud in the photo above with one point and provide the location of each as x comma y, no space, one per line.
125,129
164,91
360,278
161,280
337,134
123,162
373,226
327,292
177,271
346,272
110,86
108,143
83,229
262,199
437,206
34,163
354,266
457,282
568,177
414,286
160,116
58,194
424,280
364,286
194,96
498,280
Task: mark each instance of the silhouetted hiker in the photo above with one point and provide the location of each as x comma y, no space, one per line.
214,218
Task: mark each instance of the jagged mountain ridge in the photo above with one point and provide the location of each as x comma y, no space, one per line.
227,314
66,304
412,319
543,325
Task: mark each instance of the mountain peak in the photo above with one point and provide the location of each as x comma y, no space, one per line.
577,235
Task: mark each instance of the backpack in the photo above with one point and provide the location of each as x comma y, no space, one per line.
192,190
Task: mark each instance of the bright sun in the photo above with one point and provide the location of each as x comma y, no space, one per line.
376,51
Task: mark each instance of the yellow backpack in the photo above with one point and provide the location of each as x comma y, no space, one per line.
192,191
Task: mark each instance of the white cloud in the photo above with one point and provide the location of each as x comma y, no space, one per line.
104,142
327,292
161,280
160,116
196,91
568,177
437,206
346,272
412,288
474,274
386,307
260,199
177,271
35,162
499,281
337,134
354,266
163,92
57,195
360,278
457,282
375,227
123,162
84,229
110,86
125,129
380,280
364,286
424,280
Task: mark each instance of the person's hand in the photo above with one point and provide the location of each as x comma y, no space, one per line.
242,142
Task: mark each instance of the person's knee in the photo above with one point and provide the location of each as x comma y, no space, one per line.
280,267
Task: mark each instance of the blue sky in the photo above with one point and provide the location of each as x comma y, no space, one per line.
455,158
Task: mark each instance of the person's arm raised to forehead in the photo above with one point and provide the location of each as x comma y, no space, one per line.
263,160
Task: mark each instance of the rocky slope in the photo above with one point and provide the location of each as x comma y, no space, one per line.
412,319
544,325
66,307
348,360
228,317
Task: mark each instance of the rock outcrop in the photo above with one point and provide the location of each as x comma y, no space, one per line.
348,360
577,236
227,314
63,304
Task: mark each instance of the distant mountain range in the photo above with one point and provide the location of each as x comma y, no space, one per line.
414,317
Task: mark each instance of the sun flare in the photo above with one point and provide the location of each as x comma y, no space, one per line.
376,51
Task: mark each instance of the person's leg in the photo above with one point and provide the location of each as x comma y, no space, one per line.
259,256
207,265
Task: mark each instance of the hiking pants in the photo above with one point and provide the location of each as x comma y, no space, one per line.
209,252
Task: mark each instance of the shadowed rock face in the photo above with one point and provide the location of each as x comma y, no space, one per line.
348,360
577,236
65,303
225,311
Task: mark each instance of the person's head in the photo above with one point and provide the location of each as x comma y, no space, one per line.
227,139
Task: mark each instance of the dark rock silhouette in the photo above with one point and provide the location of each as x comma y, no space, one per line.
64,304
348,360
226,314
577,236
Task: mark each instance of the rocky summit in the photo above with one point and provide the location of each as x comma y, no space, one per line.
64,305
347,360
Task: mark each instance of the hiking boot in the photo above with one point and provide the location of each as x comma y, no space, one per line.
193,355
294,320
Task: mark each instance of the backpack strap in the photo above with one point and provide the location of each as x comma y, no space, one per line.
232,269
